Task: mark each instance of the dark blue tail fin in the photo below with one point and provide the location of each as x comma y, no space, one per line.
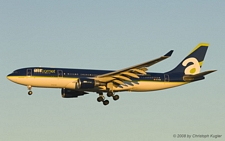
192,64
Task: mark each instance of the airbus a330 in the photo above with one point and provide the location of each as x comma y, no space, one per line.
78,82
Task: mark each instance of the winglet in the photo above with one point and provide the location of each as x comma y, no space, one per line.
169,53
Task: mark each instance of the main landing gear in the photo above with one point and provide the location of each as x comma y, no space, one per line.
111,94
29,88
101,97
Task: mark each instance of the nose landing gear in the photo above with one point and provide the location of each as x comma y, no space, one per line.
30,92
29,88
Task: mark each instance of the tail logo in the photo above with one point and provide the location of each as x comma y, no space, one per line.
192,69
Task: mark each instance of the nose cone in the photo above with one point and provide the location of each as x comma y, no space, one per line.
9,77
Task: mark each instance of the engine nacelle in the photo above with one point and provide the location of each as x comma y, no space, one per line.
68,93
86,83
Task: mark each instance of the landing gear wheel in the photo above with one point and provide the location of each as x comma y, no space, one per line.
106,102
30,93
109,94
100,99
116,97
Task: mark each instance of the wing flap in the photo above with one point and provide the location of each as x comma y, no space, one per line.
118,82
139,71
122,77
128,74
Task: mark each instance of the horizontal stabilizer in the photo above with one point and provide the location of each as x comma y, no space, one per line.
197,76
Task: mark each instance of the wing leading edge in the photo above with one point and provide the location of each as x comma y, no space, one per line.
117,77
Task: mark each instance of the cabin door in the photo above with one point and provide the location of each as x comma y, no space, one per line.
166,78
29,72
60,73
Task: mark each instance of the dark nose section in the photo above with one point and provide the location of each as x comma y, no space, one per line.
9,76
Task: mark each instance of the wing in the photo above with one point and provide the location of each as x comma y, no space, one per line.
117,77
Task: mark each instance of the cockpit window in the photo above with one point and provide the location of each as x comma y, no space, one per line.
16,72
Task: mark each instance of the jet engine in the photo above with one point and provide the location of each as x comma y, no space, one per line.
86,83
68,93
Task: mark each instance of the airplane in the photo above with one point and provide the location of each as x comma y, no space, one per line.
78,82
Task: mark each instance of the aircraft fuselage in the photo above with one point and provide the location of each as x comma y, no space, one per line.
66,78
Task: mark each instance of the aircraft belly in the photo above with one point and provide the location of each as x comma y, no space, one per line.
143,86
153,86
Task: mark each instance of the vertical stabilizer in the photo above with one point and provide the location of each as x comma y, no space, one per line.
192,64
